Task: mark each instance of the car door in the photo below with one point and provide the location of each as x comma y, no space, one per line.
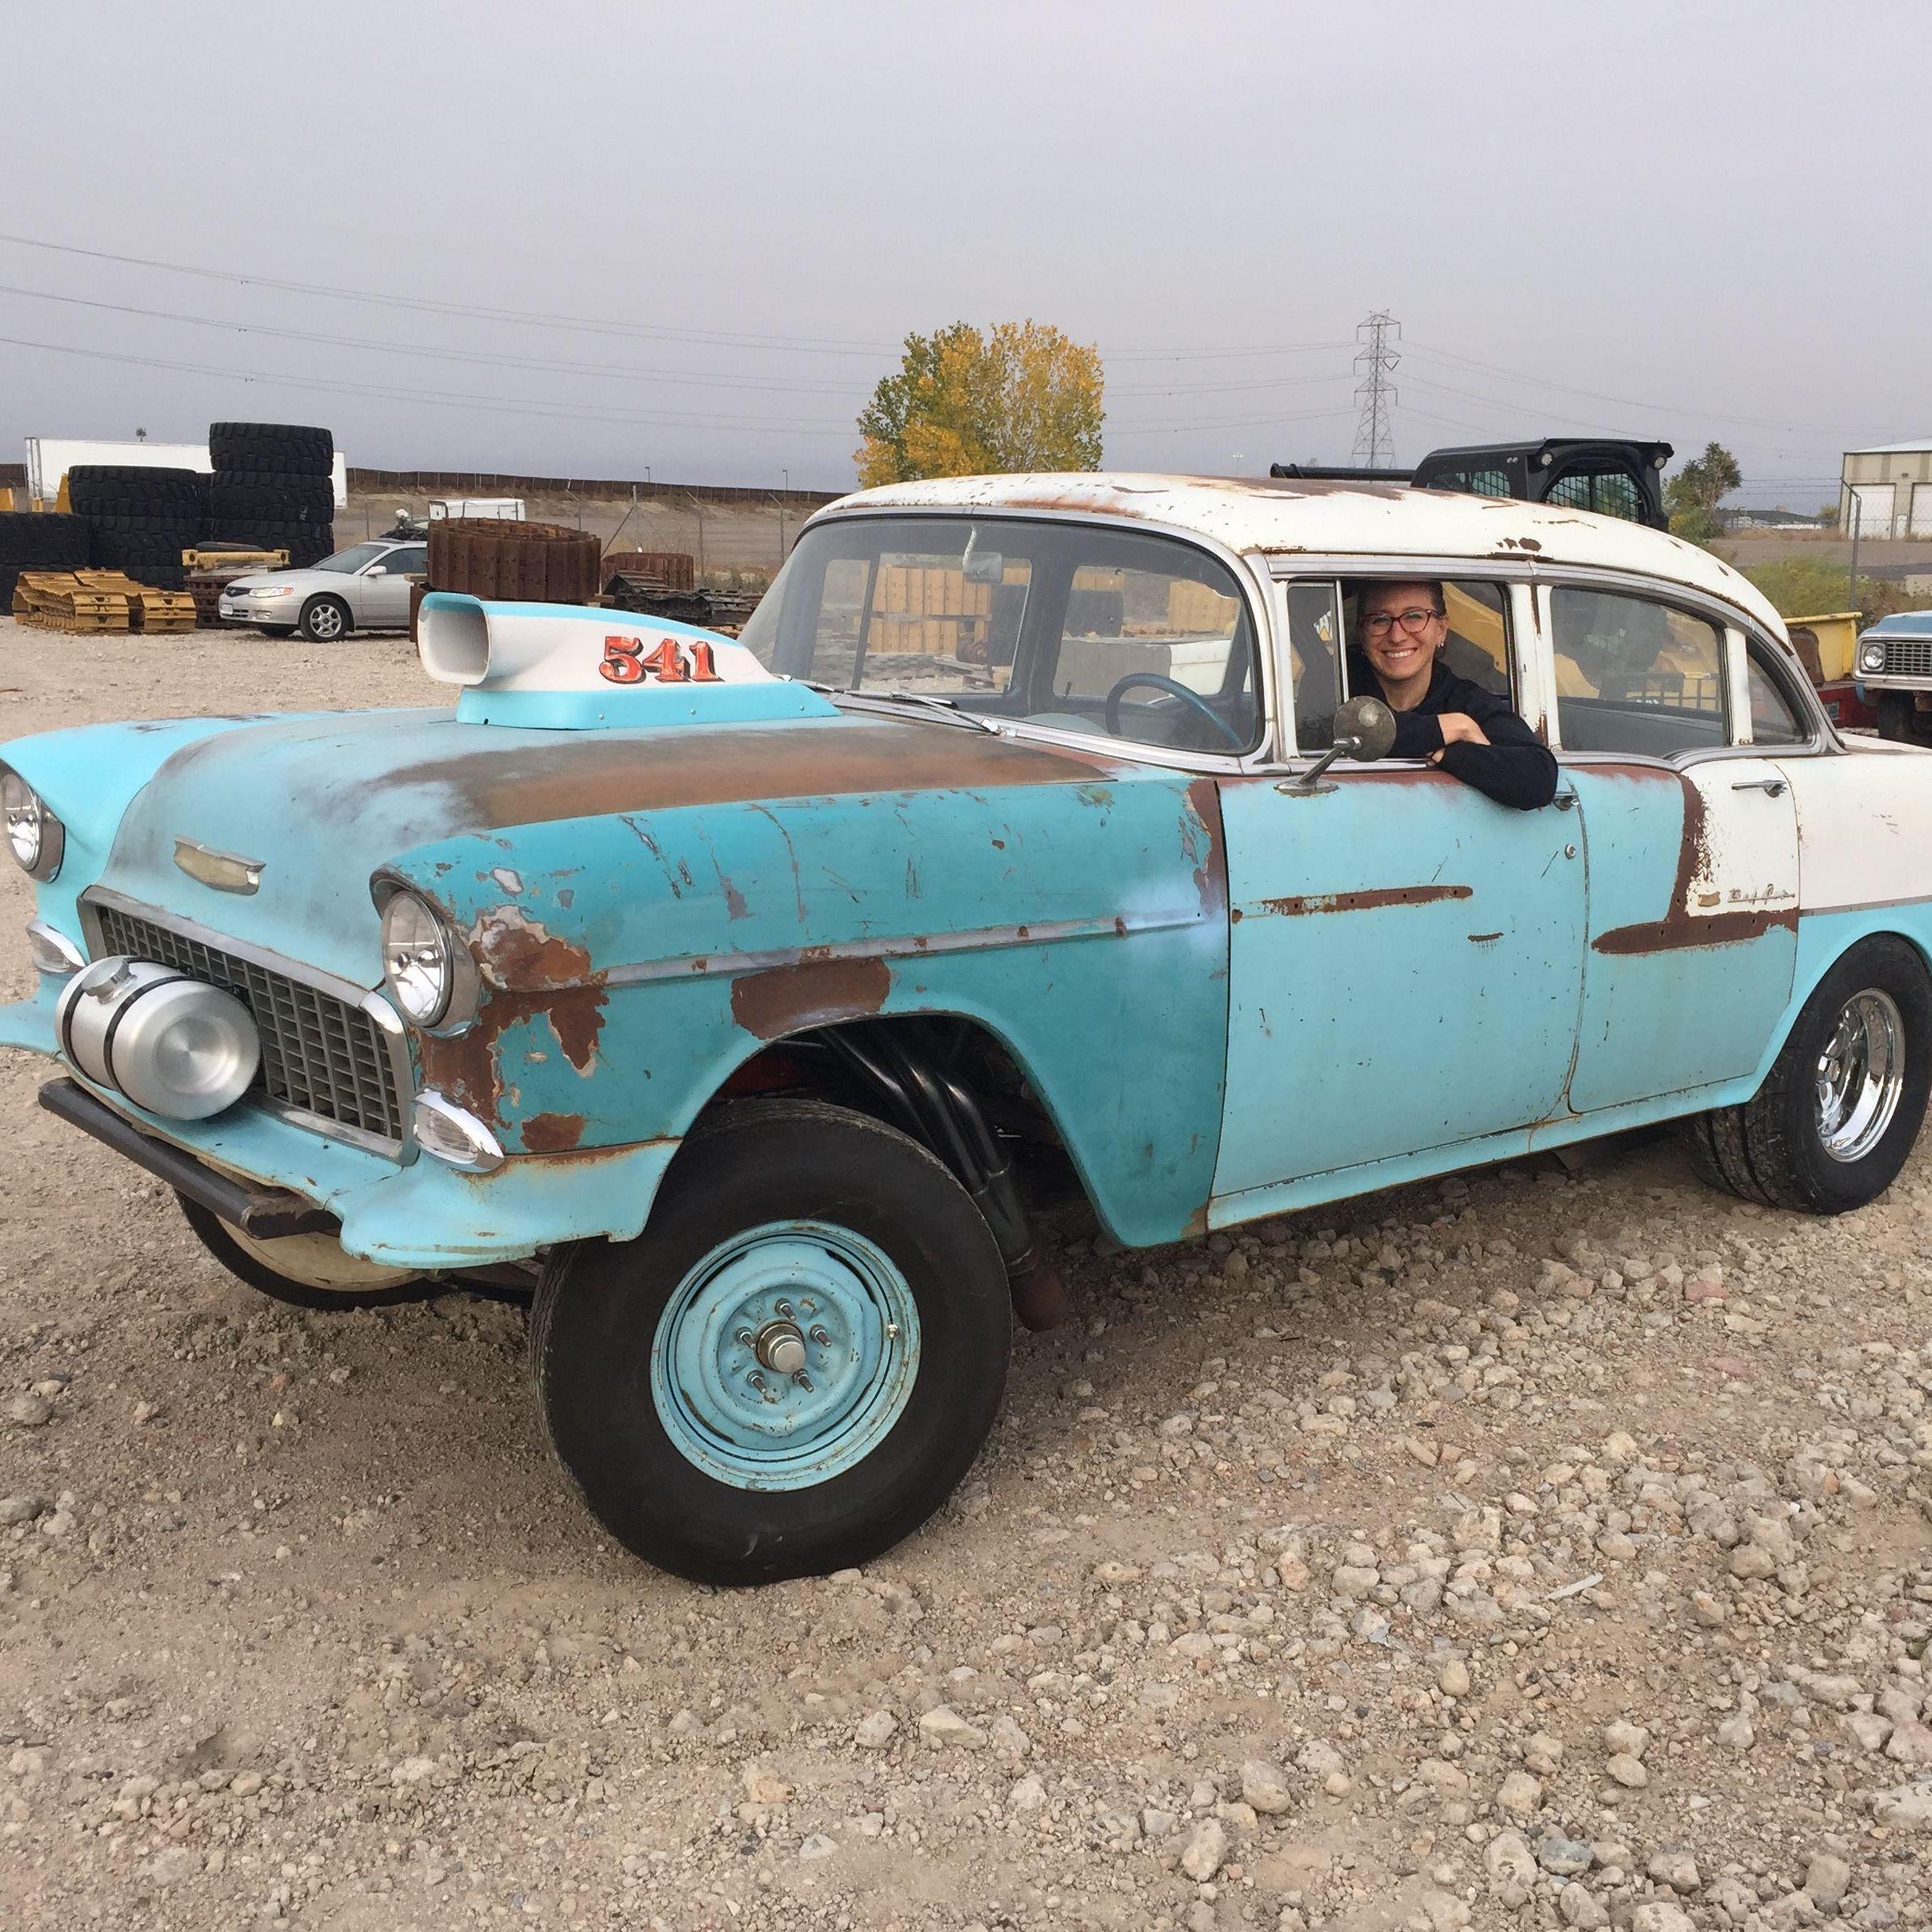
1691,841
1405,955
384,600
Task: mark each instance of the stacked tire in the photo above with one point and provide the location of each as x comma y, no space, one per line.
39,540
537,563
139,519
272,489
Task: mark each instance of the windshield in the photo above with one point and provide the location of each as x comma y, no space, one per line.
346,563
1121,633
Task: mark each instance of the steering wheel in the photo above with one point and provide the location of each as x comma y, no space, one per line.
1174,690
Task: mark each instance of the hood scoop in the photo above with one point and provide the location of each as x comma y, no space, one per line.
561,667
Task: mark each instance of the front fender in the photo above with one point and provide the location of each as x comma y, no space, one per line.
632,963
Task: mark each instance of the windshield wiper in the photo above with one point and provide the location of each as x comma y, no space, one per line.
947,708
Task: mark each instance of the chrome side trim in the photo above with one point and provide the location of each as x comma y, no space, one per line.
979,939
387,1022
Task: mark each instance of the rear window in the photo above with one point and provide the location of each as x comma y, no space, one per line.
1635,676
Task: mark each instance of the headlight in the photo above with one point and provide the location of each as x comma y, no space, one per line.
34,833
273,591
1872,657
418,958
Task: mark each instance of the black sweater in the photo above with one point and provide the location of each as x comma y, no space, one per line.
1514,768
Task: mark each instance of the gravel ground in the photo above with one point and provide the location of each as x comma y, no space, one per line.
1546,1546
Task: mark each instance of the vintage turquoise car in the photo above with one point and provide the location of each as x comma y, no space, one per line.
750,1000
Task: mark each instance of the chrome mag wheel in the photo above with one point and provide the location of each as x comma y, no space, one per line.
1861,1075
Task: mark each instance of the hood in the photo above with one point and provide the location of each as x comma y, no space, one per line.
300,581
322,802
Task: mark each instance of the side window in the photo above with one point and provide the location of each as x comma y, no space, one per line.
1635,676
1478,635
1315,661
1774,718
412,560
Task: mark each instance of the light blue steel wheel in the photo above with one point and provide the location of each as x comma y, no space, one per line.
785,1356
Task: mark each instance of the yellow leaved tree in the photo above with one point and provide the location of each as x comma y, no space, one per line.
1021,396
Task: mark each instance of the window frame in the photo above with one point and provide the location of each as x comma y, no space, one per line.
1249,571
1527,639
1786,685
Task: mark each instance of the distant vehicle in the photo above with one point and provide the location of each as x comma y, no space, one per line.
1613,476
1894,669
499,509
363,588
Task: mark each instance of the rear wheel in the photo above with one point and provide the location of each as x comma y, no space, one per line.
1838,1112
306,1270
325,620
791,1367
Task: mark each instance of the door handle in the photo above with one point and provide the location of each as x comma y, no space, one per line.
1770,787
1564,801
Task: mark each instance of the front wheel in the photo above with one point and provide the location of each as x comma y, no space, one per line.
791,1367
1839,1111
325,620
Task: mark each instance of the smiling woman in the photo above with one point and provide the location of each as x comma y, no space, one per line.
1119,634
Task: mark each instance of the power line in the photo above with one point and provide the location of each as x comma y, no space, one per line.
500,405
430,305
1374,441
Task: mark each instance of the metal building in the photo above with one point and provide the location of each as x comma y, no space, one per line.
1889,489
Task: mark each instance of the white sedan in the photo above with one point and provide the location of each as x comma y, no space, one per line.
363,588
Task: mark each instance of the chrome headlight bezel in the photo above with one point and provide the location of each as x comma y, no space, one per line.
1872,657
428,972
36,838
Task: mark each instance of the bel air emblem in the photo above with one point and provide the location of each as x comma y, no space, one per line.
225,871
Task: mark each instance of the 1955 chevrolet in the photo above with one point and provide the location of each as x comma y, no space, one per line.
1038,837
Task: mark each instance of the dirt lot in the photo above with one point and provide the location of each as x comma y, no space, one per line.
1539,1547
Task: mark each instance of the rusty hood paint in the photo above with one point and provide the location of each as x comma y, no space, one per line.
325,802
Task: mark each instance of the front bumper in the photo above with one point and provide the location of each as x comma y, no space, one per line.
425,1216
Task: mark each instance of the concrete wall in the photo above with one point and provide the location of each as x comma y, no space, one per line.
1908,473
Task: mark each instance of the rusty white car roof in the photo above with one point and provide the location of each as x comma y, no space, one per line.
1282,516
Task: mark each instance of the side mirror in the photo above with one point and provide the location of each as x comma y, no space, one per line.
1365,731
377,570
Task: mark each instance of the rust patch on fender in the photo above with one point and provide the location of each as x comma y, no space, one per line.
1301,905
553,1132
527,972
1678,929
1211,870
603,774
815,992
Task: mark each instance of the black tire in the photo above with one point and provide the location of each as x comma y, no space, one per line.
1894,716
1773,1148
276,630
43,539
218,1238
325,620
239,498
287,447
105,487
595,1321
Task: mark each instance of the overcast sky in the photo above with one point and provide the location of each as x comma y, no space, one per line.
715,223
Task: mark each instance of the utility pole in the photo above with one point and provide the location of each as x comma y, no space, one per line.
1851,581
1375,435
784,492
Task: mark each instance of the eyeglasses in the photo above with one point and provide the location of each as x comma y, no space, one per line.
1377,623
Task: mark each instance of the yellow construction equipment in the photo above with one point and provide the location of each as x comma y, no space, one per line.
228,556
99,600
57,600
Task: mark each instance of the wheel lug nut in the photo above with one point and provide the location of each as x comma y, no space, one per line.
757,1381
745,1337
782,1308
819,1336
804,1382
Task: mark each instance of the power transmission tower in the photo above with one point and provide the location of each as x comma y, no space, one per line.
1375,435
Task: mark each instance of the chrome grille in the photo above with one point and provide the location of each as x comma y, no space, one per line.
319,1053
1908,657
